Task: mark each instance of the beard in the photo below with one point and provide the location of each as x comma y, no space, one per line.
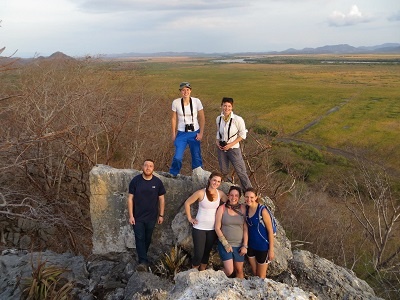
147,172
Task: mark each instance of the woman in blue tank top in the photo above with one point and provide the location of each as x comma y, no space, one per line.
261,235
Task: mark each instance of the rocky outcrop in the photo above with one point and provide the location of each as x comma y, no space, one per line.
327,280
112,233
109,214
113,276
110,273
212,284
19,234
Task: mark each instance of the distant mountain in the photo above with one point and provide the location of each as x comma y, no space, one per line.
163,54
345,49
387,48
393,48
56,56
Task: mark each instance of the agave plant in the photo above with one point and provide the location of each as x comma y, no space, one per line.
171,264
46,283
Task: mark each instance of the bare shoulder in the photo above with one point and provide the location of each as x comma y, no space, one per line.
221,208
200,194
196,196
222,196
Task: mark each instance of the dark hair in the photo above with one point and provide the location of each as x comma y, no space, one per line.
234,187
213,174
148,159
227,99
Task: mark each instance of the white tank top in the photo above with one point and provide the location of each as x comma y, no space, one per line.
206,213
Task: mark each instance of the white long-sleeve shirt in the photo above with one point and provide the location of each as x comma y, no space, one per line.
238,128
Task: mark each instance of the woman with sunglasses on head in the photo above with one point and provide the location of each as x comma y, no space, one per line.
260,234
203,232
231,230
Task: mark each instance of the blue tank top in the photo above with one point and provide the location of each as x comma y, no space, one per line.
258,235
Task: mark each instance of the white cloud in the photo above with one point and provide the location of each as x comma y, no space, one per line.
355,16
106,6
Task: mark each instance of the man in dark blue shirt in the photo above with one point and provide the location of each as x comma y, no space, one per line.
146,205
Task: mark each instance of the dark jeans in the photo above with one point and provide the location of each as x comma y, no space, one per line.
143,232
203,241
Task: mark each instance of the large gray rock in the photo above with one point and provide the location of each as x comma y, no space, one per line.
109,214
108,209
17,265
212,284
327,280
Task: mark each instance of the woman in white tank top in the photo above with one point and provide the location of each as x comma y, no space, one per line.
203,232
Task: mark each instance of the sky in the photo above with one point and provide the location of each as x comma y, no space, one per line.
99,27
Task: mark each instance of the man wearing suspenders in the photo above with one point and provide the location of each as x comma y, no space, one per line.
231,129
187,128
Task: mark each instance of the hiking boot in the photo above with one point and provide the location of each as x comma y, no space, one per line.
141,268
169,175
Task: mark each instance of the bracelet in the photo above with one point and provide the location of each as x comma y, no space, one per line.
161,216
245,246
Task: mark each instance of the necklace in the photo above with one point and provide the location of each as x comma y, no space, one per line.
248,218
226,119
235,208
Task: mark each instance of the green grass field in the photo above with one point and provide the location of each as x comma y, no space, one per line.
353,106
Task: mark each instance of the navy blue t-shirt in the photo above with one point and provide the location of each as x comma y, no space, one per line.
145,197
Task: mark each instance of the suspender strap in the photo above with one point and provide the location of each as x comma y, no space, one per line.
229,129
183,109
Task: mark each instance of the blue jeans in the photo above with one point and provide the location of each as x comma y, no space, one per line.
234,156
143,233
181,141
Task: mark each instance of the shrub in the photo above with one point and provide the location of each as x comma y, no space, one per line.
260,129
46,283
171,264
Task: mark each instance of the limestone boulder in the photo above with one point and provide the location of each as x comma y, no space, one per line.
327,280
212,284
109,213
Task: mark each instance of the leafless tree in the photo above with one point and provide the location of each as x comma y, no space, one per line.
69,116
369,197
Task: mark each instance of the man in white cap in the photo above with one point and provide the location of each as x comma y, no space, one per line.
187,128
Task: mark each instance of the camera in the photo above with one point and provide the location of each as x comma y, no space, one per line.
223,143
189,127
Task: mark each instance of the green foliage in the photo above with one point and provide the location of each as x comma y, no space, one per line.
307,152
46,283
172,263
353,105
263,130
